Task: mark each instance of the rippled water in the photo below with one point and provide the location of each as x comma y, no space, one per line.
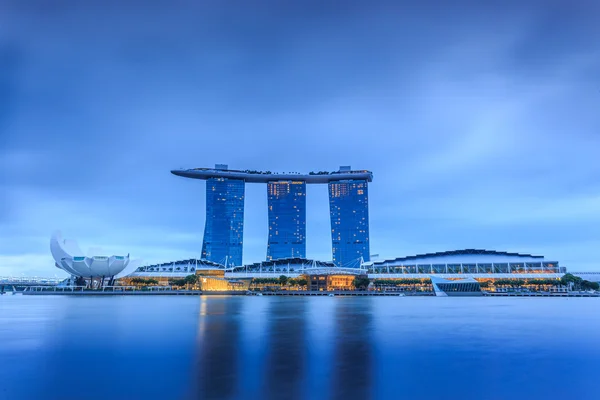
298,348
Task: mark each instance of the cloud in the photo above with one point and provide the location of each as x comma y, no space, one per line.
479,122
29,265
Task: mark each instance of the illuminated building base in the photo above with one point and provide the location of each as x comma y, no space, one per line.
324,282
212,284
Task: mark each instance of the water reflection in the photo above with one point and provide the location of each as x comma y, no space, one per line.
286,349
311,348
353,358
292,348
218,348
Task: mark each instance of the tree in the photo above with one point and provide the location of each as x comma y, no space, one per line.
144,281
283,280
178,282
191,279
590,285
302,282
570,279
265,281
360,282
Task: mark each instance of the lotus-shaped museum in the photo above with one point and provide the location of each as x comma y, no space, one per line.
69,257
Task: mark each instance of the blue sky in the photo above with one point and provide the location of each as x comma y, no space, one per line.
480,122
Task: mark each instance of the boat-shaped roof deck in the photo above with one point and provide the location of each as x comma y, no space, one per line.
268,176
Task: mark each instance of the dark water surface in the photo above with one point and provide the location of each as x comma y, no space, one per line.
298,348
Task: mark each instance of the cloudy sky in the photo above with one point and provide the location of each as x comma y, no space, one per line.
480,122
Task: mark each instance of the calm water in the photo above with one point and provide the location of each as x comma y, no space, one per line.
298,348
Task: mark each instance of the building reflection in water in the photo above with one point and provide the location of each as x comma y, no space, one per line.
284,372
218,349
352,370
272,348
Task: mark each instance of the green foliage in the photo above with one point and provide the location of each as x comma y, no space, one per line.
570,278
302,282
546,282
283,280
400,282
578,283
188,280
523,282
509,282
266,281
587,285
361,282
144,281
297,282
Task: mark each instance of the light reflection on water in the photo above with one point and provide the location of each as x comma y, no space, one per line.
297,347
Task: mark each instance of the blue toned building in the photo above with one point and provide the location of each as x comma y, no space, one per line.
287,219
349,211
287,212
224,229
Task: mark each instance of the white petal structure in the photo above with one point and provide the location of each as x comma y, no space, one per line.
69,257
131,267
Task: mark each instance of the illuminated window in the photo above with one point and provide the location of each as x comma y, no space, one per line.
287,217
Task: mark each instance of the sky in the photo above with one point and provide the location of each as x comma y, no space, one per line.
479,120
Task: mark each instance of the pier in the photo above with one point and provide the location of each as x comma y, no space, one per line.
105,291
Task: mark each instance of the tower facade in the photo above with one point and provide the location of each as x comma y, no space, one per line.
287,219
349,212
224,228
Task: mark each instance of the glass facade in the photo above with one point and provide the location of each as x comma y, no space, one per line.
460,287
224,229
287,219
483,268
349,211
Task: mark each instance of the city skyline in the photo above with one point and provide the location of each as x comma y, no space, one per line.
480,122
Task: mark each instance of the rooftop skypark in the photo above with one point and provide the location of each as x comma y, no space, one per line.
255,176
286,196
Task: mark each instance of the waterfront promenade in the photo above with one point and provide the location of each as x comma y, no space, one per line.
134,291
